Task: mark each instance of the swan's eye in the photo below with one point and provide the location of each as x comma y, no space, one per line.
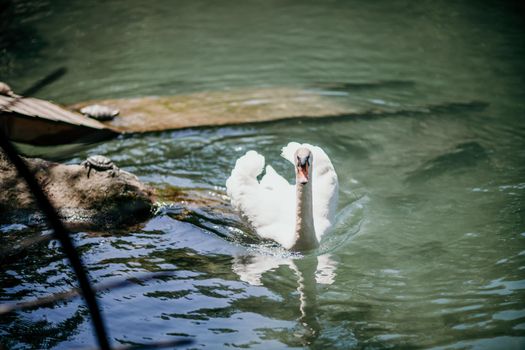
303,161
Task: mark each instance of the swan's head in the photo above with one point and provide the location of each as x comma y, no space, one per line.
303,163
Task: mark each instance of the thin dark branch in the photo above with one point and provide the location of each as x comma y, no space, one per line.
70,294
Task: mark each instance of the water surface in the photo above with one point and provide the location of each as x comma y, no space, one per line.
429,246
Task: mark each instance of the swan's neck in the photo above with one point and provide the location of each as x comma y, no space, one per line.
304,226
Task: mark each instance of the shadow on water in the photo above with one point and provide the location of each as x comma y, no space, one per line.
461,158
18,40
356,86
40,334
206,209
377,113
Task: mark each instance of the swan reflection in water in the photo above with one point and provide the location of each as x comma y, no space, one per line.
310,270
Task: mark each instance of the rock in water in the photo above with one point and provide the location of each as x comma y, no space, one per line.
105,199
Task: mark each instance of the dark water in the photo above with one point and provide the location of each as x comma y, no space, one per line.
429,248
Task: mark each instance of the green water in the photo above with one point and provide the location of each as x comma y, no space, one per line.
429,247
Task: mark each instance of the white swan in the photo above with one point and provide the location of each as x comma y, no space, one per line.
295,216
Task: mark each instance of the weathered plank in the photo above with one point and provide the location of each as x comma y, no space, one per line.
35,121
37,108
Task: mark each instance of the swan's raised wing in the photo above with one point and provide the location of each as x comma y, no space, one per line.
268,205
325,186
273,181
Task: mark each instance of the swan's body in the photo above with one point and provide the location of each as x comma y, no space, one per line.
295,216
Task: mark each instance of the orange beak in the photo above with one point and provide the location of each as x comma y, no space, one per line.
302,174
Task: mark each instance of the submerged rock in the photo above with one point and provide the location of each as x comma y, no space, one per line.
217,108
104,199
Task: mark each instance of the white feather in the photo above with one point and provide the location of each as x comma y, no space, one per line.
270,205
